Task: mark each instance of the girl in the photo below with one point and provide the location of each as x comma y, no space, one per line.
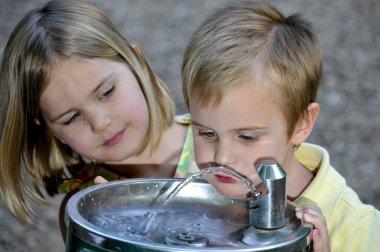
78,100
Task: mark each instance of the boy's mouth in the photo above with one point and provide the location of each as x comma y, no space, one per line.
225,179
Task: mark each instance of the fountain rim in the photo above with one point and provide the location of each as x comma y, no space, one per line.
73,216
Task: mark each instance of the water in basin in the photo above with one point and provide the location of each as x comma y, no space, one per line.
219,232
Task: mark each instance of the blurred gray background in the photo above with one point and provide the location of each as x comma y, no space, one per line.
349,122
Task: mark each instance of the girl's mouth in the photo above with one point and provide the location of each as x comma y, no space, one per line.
114,140
225,179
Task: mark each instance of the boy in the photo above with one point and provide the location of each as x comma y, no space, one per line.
250,77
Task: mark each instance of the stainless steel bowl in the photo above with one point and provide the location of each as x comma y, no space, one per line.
111,217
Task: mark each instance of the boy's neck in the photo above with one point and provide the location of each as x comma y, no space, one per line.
297,180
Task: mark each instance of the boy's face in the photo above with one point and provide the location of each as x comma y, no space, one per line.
245,126
96,107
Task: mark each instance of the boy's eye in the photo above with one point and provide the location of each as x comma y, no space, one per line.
207,134
107,93
247,138
73,118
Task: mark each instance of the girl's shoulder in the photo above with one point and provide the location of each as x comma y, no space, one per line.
183,119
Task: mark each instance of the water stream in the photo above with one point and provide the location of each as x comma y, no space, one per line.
257,191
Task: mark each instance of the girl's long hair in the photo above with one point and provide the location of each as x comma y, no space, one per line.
28,151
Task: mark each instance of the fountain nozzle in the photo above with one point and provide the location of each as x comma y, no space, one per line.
269,212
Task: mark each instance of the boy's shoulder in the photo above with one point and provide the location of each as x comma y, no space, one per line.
346,215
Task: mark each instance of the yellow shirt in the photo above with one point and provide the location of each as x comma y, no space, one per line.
352,225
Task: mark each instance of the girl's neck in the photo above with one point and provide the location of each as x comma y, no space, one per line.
161,162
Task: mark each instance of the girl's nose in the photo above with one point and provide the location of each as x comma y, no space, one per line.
100,121
224,154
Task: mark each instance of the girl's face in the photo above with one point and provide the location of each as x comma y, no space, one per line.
246,126
96,107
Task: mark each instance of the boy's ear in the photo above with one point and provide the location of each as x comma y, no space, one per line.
305,124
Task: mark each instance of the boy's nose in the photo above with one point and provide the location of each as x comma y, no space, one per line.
224,154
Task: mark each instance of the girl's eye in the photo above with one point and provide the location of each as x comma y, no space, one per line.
107,93
73,118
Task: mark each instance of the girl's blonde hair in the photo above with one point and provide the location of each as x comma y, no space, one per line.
245,40
28,151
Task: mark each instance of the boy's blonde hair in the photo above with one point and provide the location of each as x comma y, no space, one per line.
28,151
247,39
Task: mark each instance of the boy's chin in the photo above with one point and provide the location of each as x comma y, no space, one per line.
233,191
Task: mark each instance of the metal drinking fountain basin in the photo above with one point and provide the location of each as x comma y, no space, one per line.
112,216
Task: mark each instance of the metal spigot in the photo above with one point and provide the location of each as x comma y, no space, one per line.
269,212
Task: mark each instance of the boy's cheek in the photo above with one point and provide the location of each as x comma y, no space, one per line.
202,154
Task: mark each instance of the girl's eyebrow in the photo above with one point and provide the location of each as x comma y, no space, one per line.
104,80
98,86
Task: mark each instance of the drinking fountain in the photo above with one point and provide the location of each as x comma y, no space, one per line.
114,217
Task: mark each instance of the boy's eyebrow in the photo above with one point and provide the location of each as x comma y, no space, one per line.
197,124
98,86
246,128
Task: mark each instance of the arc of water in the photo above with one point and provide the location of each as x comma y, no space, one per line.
258,191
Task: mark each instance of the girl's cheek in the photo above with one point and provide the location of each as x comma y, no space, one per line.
78,144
